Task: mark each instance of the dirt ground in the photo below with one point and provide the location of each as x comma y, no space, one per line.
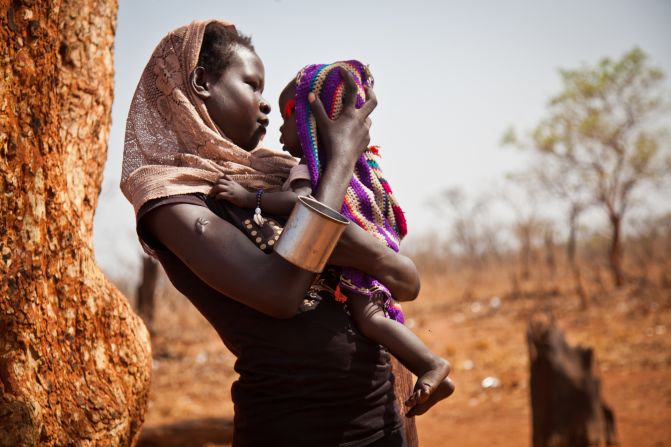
480,328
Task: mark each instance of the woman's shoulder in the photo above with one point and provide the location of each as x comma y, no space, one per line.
149,243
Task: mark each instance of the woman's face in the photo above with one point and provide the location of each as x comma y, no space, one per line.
288,130
235,103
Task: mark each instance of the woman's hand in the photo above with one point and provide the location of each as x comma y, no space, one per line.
345,138
360,250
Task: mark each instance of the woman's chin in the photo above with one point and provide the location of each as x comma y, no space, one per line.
255,141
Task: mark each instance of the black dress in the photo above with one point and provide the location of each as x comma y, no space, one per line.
312,380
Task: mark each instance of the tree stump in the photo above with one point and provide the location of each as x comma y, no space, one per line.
566,404
75,361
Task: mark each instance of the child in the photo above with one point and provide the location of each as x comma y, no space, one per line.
369,203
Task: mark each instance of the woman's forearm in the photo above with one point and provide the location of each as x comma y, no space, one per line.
333,184
399,274
362,251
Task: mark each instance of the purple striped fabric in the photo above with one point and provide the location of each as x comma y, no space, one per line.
368,201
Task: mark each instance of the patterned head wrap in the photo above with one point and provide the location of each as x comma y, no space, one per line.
369,201
172,146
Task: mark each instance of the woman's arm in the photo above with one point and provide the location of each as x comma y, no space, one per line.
222,257
226,260
361,250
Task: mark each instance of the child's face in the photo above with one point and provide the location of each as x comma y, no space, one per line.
288,130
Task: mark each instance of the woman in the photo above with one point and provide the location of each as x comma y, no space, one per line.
307,377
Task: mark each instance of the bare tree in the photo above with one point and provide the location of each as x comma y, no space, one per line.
557,179
75,361
522,196
604,128
471,233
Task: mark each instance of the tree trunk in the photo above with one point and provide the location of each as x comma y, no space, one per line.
524,234
572,235
615,252
146,292
571,246
566,405
550,261
75,361
579,289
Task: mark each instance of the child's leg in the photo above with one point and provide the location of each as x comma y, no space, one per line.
431,370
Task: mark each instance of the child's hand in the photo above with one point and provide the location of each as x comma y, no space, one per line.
227,189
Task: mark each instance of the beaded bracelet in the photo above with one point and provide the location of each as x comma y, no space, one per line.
258,218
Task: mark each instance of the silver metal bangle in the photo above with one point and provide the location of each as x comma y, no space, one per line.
310,234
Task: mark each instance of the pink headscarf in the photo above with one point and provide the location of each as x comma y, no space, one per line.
172,146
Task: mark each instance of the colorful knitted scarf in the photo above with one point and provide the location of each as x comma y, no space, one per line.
369,201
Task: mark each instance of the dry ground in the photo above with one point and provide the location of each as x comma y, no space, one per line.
458,316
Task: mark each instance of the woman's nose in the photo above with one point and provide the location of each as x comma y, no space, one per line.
264,106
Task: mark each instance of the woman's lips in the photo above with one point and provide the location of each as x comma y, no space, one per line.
263,124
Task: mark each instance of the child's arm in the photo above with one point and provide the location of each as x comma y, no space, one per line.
281,203
278,203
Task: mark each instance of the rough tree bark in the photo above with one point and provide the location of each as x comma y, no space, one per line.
74,359
566,405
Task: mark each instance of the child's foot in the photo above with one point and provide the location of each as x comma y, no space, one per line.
444,390
428,382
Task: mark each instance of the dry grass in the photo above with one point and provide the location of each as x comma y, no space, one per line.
477,319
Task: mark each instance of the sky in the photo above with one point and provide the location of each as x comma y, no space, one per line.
450,78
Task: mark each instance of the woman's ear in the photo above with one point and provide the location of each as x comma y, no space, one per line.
199,83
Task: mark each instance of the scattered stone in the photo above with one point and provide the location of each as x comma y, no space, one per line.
491,382
467,365
495,302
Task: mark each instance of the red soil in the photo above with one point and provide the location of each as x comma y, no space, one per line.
629,331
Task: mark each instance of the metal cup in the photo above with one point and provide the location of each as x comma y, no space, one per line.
310,234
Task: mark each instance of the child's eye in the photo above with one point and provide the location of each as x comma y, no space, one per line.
289,109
